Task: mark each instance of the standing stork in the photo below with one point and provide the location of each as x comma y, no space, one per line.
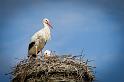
39,40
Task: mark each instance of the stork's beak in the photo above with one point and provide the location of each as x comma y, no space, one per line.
50,25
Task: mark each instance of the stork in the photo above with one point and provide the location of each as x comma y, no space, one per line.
39,40
47,54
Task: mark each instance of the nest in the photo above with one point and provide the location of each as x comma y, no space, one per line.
53,69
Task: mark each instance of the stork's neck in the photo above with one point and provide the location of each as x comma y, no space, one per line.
46,29
46,26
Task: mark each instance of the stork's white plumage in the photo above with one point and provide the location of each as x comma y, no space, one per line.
47,54
39,39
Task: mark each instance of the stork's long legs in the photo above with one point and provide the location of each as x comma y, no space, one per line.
41,57
36,55
29,59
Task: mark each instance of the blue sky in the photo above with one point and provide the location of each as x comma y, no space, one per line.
93,25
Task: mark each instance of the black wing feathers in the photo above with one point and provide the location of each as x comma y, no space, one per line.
31,45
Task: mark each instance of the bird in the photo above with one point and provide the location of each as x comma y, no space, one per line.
39,40
47,54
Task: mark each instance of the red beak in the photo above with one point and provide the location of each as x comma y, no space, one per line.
50,25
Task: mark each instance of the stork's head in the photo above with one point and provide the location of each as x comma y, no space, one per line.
47,22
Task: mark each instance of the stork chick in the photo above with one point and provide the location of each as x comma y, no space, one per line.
47,54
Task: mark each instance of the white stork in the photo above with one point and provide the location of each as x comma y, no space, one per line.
47,54
39,39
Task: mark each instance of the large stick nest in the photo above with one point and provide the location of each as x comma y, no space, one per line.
53,69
